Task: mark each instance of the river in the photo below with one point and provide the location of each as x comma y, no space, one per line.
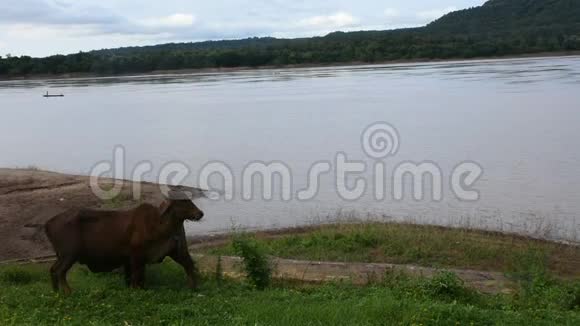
517,119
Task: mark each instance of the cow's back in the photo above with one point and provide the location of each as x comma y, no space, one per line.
105,234
90,234
104,240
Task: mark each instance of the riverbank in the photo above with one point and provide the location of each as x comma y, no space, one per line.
427,246
295,66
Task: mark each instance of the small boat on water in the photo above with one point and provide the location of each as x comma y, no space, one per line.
53,95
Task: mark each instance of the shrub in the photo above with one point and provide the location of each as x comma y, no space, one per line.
445,285
257,265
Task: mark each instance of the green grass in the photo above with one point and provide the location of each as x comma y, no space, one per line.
422,245
26,299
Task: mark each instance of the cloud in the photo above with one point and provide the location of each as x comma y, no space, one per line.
395,18
337,20
433,14
175,21
72,25
53,12
391,13
87,19
27,39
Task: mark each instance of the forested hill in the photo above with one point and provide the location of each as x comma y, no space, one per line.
499,16
497,28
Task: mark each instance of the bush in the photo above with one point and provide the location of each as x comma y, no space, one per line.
447,286
257,265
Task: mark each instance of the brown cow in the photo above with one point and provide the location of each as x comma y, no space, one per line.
106,240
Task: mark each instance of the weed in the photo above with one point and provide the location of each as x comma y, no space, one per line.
446,286
257,265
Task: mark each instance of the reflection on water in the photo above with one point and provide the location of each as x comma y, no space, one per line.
518,118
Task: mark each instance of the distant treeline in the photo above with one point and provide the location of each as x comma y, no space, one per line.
498,28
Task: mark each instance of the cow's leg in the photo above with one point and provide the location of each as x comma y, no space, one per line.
141,277
183,258
127,270
61,271
54,275
137,272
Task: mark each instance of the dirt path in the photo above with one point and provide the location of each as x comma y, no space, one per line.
355,273
31,197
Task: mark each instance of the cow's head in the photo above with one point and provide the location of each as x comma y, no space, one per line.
179,205
181,209
187,210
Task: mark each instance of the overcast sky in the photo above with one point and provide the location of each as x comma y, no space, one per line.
46,27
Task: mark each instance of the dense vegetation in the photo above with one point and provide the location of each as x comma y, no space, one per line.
27,299
498,28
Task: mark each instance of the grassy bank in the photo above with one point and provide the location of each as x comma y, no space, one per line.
102,299
26,299
422,245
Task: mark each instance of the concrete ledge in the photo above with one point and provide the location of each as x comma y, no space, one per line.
355,273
